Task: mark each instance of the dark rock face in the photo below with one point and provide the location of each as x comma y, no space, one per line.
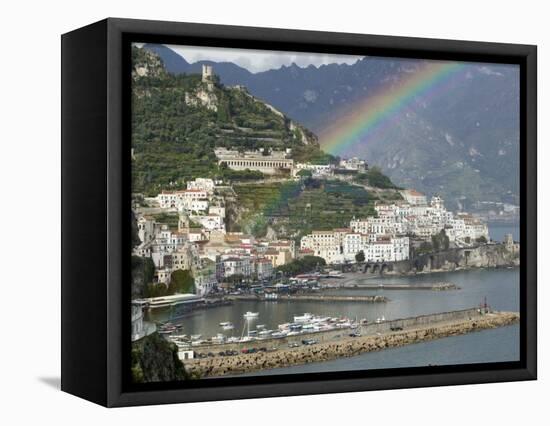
156,360
484,256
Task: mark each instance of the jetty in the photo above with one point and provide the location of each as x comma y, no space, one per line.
444,286
220,360
309,298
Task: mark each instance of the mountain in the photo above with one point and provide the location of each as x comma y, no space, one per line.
178,121
462,144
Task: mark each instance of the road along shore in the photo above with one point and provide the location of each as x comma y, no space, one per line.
373,337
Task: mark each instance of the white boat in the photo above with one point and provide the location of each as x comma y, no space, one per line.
228,326
249,315
265,333
379,320
284,326
303,318
196,336
223,324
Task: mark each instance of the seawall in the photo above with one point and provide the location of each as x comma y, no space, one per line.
373,337
312,298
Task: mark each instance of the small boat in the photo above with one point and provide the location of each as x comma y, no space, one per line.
284,326
265,333
223,324
380,319
260,326
249,315
196,336
228,326
303,318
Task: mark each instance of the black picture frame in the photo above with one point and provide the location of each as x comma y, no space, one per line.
95,179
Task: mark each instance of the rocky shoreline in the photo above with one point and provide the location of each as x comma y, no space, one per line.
346,347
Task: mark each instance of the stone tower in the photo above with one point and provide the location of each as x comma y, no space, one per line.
208,76
508,240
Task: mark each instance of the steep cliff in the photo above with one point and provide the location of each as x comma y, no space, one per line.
483,256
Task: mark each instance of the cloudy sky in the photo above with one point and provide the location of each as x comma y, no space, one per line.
259,60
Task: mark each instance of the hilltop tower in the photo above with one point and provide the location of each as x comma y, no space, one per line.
208,76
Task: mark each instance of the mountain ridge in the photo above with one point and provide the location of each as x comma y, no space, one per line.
479,116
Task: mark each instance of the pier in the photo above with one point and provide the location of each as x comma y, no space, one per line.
374,286
275,353
309,298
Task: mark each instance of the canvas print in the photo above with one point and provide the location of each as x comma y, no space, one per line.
300,212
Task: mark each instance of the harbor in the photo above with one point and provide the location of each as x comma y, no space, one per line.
246,357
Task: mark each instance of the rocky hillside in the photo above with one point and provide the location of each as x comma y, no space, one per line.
178,121
156,360
464,145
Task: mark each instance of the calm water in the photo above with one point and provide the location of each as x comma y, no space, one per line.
498,230
499,286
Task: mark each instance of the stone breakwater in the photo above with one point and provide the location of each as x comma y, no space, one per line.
313,298
350,346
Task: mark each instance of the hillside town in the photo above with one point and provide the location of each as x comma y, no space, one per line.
202,244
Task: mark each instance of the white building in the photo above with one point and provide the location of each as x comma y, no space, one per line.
316,170
202,184
324,244
271,163
414,197
263,268
236,266
353,164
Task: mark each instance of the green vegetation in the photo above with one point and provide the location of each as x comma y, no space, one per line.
156,360
425,248
143,271
174,141
440,241
360,256
375,178
300,207
481,240
170,219
305,173
302,266
181,281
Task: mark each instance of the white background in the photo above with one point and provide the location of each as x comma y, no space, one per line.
30,210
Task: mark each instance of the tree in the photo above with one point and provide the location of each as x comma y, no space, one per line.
481,240
305,173
301,266
425,248
360,256
440,241
181,281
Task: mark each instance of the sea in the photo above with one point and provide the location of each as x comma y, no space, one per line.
498,287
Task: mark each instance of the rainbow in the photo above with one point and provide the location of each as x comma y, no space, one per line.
363,120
